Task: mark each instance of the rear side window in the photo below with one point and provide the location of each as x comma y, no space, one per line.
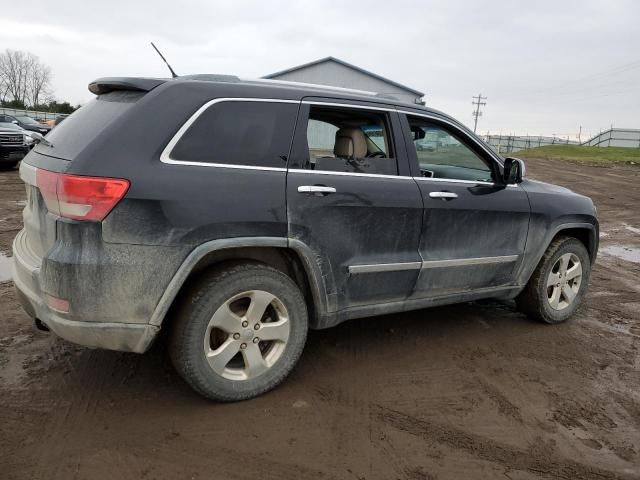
83,126
240,133
353,140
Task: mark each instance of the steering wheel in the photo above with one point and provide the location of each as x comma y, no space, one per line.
377,154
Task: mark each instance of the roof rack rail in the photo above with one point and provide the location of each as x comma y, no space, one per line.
210,77
310,85
387,95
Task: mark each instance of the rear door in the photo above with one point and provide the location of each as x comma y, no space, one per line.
354,204
474,228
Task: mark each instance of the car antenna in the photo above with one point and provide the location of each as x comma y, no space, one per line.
173,74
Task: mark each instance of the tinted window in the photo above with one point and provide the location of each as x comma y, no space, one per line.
240,133
349,140
442,154
85,124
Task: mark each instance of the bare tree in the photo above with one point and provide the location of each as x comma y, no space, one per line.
23,78
38,83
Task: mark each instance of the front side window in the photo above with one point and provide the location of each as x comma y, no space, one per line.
240,133
441,153
342,139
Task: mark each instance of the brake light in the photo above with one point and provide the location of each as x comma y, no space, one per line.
78,197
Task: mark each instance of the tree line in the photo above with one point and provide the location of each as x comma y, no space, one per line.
25,83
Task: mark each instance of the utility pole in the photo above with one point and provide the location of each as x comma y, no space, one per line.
477,113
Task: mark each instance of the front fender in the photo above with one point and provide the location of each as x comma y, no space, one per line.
540,237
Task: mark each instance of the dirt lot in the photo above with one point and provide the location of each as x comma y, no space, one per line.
468,391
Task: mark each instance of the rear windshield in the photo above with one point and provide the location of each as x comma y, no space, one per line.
71,136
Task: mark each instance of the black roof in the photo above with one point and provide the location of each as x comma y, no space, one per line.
255,87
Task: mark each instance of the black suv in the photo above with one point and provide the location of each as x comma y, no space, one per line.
26,122
237,214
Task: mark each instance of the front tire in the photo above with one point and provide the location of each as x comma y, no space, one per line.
239,331
557,286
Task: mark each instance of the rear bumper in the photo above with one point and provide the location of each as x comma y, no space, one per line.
128,337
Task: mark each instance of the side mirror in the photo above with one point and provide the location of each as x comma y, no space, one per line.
14,122
514,170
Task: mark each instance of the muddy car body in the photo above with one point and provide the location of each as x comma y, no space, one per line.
239,213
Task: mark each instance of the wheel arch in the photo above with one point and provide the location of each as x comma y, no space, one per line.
276,252
587,233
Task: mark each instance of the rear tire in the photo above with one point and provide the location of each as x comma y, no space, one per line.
559,282
215,344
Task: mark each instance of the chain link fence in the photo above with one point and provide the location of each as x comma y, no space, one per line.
614,137
31,113
514,143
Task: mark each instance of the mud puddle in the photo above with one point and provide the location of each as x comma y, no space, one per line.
630,254
5,268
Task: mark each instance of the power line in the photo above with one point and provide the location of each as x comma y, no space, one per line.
477,113
598,76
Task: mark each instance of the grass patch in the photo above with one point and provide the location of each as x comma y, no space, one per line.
581,154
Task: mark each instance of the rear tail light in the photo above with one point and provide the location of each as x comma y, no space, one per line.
58,304
78,197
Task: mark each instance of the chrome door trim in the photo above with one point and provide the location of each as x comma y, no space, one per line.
443,195
464,262
424,265
351,174
384,267
469,182
348,105
315,189
165,156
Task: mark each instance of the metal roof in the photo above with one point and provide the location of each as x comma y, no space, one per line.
348,65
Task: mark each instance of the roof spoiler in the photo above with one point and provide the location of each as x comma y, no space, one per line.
109,84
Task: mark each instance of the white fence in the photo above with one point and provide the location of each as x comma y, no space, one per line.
616,137
514,143
30,113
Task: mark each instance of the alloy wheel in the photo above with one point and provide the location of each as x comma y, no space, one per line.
563,281
246,335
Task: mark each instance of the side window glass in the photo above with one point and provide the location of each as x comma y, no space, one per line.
350,140
240,133
441,154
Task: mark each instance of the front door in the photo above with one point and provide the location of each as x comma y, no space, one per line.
474,228
351,200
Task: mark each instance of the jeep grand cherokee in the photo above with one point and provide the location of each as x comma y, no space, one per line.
237,214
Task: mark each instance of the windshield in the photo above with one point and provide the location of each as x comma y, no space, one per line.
29,120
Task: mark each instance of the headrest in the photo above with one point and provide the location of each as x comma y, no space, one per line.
350,143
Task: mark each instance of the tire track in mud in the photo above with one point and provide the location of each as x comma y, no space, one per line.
513,458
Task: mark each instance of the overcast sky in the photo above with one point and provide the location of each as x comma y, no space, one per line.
545,66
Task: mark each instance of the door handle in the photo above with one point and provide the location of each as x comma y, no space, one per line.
316,189
443,195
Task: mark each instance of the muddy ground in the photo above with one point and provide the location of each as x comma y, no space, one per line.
467,391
